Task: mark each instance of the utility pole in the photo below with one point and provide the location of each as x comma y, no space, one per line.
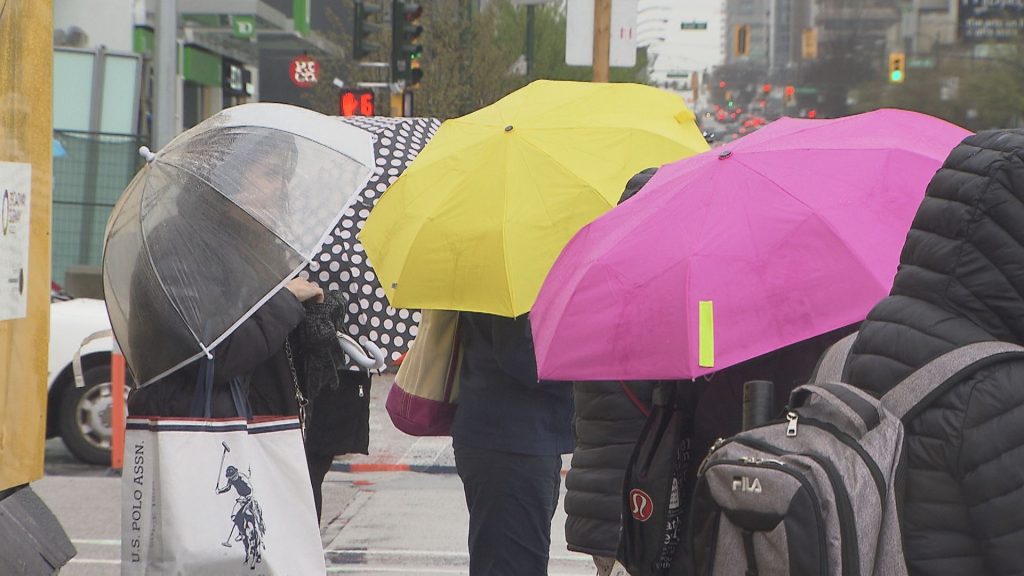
602,38
165,107
531,24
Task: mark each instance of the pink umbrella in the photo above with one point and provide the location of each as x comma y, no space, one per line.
782,235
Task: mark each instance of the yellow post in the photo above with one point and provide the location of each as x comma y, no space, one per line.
602,38
26,133
396,104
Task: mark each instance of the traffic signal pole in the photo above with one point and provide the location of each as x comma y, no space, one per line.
602,38
165,75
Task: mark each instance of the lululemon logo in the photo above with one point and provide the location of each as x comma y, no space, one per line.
640,505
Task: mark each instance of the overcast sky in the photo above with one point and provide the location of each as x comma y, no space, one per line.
682,50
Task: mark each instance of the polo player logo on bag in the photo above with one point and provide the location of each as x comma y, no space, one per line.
640,505
246,516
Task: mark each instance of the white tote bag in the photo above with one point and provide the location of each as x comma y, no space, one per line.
217,497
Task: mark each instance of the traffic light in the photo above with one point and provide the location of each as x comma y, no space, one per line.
415,74
357,102
406,33
897,67
742,41
788,95
366,28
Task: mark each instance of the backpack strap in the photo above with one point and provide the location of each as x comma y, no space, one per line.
830,367
929,381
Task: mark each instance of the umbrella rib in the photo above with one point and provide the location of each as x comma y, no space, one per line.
828,224
590,185
160,281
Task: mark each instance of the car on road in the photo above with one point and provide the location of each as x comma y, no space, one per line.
81,417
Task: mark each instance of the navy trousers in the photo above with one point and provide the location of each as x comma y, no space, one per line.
511,500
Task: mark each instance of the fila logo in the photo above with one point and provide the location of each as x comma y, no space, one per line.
746,484
640,505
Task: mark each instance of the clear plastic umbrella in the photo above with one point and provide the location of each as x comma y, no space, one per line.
218,221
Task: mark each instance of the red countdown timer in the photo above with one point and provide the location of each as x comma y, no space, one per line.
304,71
356,103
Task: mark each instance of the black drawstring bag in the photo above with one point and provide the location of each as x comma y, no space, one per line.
655,505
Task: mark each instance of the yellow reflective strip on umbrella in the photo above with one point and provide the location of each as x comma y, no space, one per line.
706,334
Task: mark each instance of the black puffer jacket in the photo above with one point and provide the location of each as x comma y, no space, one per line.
607,422
961,280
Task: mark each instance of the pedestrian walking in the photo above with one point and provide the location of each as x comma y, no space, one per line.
509,433
960,281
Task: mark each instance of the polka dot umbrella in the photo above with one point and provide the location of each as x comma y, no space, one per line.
342,264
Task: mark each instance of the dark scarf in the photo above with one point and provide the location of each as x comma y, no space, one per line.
319,358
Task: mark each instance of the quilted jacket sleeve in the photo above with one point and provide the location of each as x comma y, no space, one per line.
990,467
258,338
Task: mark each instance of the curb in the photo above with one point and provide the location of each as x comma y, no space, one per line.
362,467
357,467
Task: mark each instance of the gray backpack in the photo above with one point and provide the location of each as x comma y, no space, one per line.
816,494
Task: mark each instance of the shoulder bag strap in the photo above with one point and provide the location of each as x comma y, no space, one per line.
299,397
830,367
202,397
929,381
640,405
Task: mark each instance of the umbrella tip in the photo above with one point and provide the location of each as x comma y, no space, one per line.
146,153
724,154
508,128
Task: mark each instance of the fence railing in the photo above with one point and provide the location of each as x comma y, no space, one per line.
90,170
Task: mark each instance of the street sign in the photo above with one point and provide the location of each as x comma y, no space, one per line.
579,33
921,62
356,103
243,26
304,71
693,26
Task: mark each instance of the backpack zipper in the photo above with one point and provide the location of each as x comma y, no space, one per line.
845,438
788,470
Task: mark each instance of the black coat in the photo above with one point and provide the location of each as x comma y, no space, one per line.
502,405
256,347
607,424
961,280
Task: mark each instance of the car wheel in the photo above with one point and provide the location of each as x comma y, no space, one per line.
85,417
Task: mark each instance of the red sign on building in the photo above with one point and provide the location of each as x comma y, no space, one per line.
304,71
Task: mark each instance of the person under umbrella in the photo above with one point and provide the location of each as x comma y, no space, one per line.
255,352
473,225
960,281
609,417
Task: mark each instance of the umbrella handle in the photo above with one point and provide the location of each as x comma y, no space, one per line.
375,360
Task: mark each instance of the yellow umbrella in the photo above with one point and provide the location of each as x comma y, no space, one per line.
477,220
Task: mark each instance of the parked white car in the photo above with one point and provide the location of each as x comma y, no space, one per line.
80,416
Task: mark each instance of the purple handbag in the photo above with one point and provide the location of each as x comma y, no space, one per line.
424,397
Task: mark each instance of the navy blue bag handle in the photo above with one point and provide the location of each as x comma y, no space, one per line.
202,399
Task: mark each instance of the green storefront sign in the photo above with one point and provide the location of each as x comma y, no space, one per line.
243,26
